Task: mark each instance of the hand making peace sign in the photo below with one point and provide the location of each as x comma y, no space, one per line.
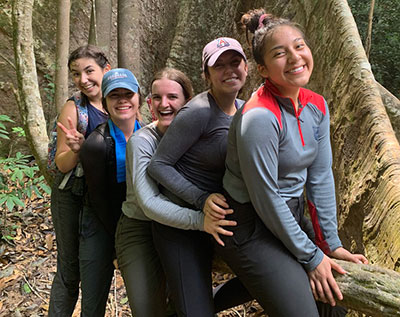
74,138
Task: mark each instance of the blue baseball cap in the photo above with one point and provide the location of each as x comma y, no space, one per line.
118,78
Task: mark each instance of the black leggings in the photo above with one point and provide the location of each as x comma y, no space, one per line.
186,256
265,266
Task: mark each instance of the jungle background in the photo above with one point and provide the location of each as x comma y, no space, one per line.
147,35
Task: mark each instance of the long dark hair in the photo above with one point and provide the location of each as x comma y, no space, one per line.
88,51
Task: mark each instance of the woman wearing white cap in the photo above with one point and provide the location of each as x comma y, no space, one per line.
189,164
103,159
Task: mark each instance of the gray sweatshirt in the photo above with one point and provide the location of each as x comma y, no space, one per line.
274,152
190,160
143,198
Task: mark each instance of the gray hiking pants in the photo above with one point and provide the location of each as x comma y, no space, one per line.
140,267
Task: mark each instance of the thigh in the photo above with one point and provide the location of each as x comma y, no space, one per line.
186,256
65,210
140,267
269,271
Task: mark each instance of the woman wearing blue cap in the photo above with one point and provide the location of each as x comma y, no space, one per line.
103,159
189,164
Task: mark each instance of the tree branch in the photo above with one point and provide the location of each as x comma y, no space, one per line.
368,289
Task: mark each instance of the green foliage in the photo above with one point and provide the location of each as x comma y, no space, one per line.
18,131
385,48
20,181
3,129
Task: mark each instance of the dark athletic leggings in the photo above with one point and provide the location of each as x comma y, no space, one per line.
186,256
266,267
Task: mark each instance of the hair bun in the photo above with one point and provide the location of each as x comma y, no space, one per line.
251,19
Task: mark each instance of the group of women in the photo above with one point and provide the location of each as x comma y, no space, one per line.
212,174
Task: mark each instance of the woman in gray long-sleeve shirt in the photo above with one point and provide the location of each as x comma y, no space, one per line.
279,148
189,164
137,258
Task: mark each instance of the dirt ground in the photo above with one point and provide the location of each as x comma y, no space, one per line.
28,264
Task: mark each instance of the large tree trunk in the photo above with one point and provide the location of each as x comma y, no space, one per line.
129,40
100,25
62,49
196,27
28,96
145,33
392,105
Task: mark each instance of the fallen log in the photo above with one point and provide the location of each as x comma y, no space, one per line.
367,289
370,289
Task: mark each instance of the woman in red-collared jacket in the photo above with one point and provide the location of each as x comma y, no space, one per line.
279,145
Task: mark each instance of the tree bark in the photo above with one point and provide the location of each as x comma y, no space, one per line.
100,25
392,105
129,40
28,96
62,49
199,22
368,40
368,289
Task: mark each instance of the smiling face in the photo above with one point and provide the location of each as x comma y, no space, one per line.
228,74
122,105
166,99
87,76
288,62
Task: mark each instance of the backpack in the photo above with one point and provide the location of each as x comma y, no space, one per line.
83,121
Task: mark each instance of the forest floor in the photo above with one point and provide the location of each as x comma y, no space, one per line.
28,264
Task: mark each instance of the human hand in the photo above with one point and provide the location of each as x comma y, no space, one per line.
214,227
216,206
74,138
342,254
322,282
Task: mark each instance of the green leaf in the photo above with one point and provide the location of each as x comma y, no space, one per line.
10,203
29,172
19,174
124,300
36,190
27,192
17,201
27,289
4,117
18,131
46,188
3,136
3,199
